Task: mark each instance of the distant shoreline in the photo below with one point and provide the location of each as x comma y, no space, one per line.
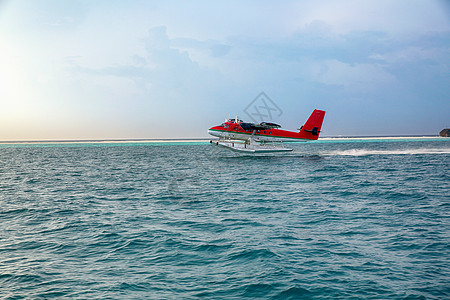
400,137
112,141
194,140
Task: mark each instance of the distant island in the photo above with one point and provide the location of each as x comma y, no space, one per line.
445,132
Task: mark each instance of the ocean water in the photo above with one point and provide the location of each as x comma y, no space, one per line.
331,220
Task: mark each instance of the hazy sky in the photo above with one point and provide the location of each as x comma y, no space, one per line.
144,69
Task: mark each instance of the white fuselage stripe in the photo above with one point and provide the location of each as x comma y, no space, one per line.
256,137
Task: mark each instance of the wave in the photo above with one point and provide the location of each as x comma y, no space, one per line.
365,152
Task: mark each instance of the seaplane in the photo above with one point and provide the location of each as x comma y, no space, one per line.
240,136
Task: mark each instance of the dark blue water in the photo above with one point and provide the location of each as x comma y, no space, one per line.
330,220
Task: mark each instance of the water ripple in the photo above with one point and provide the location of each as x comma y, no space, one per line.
327,221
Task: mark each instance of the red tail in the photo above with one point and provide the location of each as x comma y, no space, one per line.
312,127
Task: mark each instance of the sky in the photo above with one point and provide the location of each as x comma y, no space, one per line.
172,69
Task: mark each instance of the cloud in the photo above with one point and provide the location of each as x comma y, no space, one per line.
310,64
166,84
363,77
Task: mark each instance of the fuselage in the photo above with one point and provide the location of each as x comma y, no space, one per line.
233,130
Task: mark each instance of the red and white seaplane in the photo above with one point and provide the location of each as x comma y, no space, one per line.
264,137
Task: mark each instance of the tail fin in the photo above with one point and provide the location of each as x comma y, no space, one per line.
312,127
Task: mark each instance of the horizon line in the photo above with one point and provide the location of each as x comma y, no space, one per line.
118,140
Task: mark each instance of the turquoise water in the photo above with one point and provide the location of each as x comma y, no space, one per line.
329,220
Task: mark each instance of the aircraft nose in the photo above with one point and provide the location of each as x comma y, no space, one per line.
212,132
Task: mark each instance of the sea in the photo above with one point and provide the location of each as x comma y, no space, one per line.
333,219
